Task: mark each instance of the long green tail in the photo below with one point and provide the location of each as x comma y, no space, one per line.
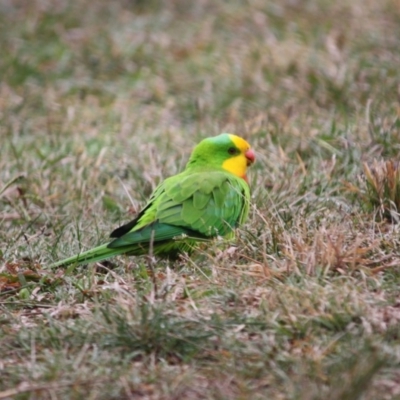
99,253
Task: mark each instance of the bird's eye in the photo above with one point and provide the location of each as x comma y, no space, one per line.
232,150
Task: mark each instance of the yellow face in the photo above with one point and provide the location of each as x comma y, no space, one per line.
237,164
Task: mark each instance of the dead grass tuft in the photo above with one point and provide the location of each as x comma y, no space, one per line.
383,188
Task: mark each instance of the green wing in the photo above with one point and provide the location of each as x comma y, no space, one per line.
198,205
184,209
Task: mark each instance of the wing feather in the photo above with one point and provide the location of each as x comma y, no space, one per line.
213,204
205,204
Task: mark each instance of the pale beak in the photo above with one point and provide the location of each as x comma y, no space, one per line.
250,156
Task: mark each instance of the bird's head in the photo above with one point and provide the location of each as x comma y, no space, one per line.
226,151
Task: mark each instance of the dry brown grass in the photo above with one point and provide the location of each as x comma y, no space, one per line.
101,101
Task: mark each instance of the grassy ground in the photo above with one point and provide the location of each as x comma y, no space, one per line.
99,101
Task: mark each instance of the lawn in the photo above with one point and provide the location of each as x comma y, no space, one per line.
100,101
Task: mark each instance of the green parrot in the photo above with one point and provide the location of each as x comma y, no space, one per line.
209,198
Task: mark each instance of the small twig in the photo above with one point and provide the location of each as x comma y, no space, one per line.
10,216
11,182
150,263
26,387
126,191
198,269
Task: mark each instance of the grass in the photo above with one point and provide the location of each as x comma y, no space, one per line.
99,102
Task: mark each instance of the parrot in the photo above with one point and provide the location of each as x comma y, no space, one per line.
208,199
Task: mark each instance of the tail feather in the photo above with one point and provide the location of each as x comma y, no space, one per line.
96,254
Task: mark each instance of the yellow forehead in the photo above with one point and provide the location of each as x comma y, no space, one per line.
240,143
